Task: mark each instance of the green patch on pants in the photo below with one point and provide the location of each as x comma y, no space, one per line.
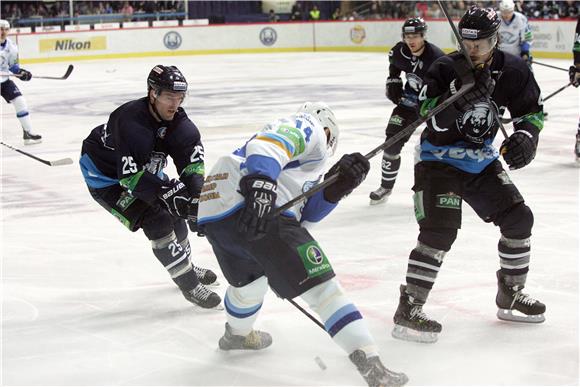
314,259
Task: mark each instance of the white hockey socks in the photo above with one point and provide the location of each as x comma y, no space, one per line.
242,305
22,113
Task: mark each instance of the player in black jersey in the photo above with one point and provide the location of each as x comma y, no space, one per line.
458,162
413,56
575,80
122,162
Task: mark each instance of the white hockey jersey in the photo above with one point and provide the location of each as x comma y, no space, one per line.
515,36
8,57
296,143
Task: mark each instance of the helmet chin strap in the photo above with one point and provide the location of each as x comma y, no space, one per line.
153,108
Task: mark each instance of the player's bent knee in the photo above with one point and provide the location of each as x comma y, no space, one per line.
517,222
156,223
250,294
438,238
322,294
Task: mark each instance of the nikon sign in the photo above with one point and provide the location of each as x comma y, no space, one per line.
75,45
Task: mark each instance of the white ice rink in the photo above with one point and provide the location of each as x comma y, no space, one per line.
85,302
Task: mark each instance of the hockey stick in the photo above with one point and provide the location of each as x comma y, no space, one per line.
550,66
311,317
509,120
55,163
463,51
390,141
65,76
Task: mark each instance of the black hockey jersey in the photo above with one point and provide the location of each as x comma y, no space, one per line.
446,138
131,149
415,67
576,48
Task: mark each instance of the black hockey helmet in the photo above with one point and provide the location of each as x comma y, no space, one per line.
414,25
479,23
166,78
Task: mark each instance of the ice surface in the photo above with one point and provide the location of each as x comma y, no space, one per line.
84,302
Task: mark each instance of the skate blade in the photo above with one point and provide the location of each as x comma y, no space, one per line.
509,315
407,334
374,202
32,142
202,309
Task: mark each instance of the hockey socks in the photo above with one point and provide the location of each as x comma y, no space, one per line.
390,169
175,259
243,304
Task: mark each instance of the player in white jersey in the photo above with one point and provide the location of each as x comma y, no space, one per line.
514,31
9,90
255,248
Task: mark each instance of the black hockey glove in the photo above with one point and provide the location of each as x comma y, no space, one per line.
394,90
481,92
574,74
260,194
24,75
519,149
176,198
352,169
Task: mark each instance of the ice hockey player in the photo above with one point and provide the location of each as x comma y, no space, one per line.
575,81
515,34
123,160
9,90
256,249
457,161
413,56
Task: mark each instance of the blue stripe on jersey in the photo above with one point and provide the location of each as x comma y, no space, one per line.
93,177
240,312
460,155
341,318
223,215
15,68
263,165
287,145
525,47
316,208
22,114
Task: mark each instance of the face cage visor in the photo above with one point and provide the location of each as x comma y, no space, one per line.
479,47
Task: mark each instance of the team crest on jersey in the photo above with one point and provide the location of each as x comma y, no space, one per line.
162,132
156,163
307,186
475,123
414,81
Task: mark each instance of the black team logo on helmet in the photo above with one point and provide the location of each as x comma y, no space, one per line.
479,23
414,25
166,78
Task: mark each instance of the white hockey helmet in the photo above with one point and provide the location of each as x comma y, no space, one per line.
325,116
4,24
506,6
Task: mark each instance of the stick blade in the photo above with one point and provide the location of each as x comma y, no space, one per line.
69,70
57,163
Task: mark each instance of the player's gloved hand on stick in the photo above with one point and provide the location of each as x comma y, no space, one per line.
394,90
352,169
519,149
574,74
481,92
176,198
24,75
260,195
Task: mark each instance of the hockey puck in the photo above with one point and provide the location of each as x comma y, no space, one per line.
320,363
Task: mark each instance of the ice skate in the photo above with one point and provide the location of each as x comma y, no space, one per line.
374,372
30,138
380,195
411,323
513,305
202,296
206,276
253,341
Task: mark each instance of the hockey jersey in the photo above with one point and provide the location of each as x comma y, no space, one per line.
576,48
132,150
402,60
515,36
292,151
447,138
8,59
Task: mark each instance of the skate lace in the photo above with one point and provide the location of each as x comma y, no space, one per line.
524,298
417,312
253,340
201,292
199,272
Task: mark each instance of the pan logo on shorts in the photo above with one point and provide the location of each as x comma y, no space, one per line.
314,259
449,200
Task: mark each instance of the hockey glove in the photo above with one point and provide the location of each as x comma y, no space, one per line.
519,149
260,195
574,73
24,75
481,92
352,169
176,198
394,90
